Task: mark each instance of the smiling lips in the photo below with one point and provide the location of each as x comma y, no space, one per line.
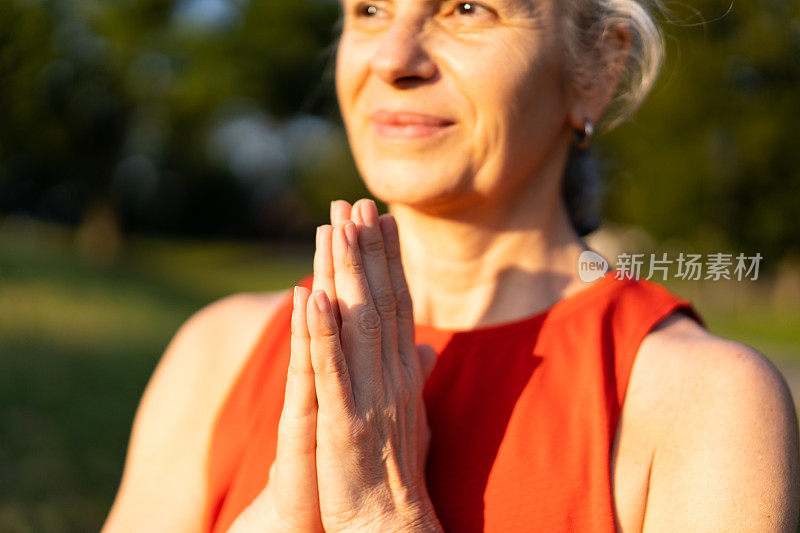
407,124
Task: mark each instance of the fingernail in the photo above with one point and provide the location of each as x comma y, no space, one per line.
369,213
351,235
296,296
321,299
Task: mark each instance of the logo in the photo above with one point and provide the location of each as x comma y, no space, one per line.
591,266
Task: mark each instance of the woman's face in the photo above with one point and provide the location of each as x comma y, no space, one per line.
489,73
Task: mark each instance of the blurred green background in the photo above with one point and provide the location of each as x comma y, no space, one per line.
156,155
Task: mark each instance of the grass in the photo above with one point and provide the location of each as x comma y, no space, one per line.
78,342
79,339
756,313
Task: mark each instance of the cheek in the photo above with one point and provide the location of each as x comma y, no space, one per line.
508,79
352,71
342,76
512,86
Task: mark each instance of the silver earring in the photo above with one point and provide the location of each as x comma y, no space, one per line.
584,138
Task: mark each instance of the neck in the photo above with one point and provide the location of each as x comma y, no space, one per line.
487,264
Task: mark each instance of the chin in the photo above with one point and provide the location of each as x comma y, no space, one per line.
414,182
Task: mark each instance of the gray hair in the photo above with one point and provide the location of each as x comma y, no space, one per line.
586,23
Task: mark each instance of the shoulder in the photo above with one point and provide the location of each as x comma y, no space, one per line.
210,347
699,371
207,352
222,331
721,428
171,434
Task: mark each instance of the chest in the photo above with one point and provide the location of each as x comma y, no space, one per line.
522,441
525,436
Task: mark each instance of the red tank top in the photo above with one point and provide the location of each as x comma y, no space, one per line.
523,414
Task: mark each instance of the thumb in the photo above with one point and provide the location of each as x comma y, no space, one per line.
427,359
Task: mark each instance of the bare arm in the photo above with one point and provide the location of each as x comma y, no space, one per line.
164,483
726,458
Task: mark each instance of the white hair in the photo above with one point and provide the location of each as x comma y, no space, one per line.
587,22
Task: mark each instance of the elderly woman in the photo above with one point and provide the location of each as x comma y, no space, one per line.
510,395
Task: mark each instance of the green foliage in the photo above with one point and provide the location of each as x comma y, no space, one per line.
712,156
118,101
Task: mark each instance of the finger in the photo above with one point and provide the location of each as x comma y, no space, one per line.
423,436
418,420
373,254
323,268
404,309
300,400
361,324
295,455
340,211
427,359
331,374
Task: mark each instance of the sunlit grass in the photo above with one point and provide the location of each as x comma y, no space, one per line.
78,342
756,313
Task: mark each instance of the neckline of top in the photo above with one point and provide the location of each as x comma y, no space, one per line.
503,328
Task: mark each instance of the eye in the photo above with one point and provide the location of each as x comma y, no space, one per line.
366,10
472,9
471,13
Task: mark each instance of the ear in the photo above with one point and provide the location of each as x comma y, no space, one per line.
614,50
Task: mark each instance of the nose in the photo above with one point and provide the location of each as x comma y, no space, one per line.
401,55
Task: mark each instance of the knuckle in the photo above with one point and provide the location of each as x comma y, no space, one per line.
392,250
373,246
412,371
392,413
402,395
359,431
296,369
328,332
296,431
403,303
417,376
384,302
369,323
414,382
353,266
335,366
370,429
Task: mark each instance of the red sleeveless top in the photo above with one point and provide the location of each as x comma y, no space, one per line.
523,414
